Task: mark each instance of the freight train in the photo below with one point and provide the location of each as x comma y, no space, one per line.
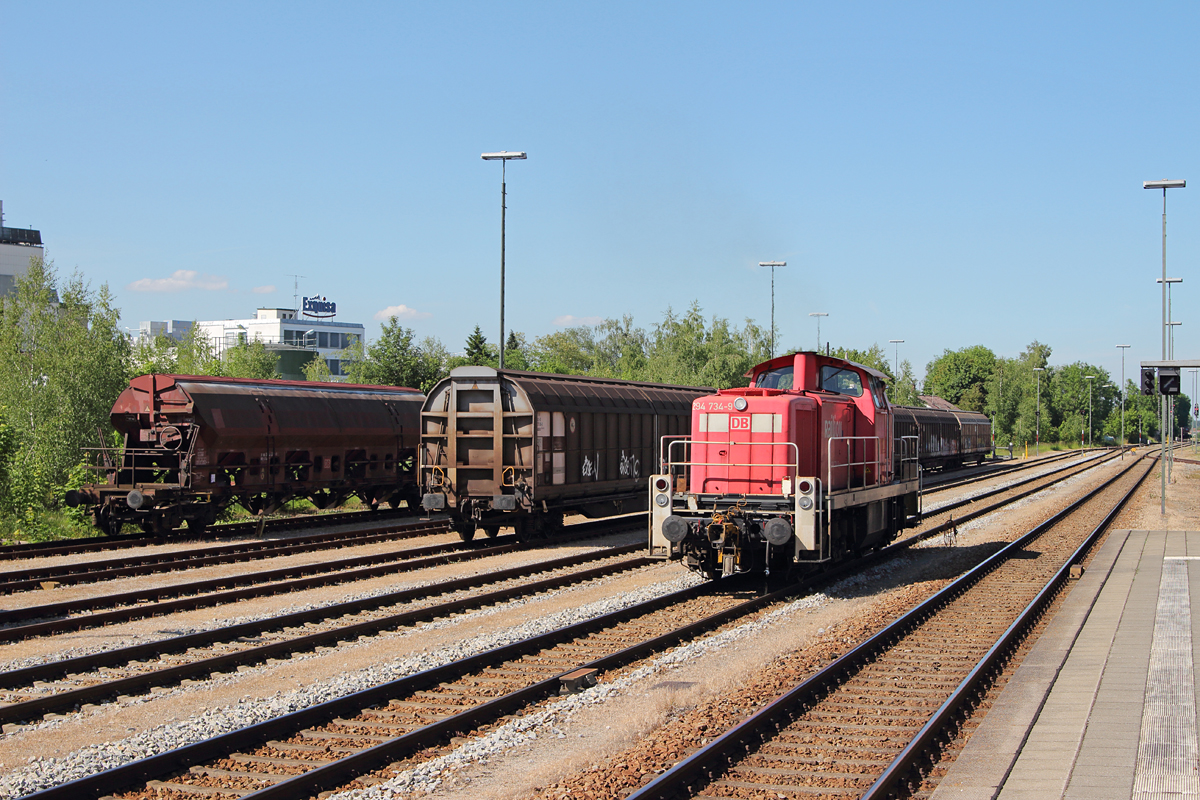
195,445
809,464
521,449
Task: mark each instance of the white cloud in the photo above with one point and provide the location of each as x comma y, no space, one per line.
568,321
180,279
264,289
402,312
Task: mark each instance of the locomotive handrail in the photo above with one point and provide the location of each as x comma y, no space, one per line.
876,462
664,447
793,466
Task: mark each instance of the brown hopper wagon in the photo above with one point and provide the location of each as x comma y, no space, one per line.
194,445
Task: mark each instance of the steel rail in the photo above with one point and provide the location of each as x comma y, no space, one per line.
90,572
704,763
984,474
148,602
121,777
92,543
924,744
30,709
1062,473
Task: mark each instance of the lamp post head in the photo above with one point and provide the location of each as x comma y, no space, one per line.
772,263
1039,369
1124,345
1169,280
819,314
1164,184
895,341
503,155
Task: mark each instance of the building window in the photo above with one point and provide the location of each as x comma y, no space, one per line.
322,339
335,366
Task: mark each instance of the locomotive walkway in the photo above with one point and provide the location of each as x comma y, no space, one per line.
1104,705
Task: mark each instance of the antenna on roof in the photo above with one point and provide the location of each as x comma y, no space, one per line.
296,292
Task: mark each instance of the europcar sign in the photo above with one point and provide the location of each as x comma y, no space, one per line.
319,307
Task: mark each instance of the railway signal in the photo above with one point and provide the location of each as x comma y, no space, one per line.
1148,380
1168,380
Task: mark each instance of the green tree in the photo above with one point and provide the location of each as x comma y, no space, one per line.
395,359
684,350
251,360
960,376
903,392
516,352
318,370
63,362
195,355
153,355
477,350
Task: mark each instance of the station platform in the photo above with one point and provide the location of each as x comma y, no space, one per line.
1104,704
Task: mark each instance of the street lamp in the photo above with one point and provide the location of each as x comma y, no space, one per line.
1037,416
1089,379
897,342
1164,185
818,315
503,157
772,265
1170,401
1123,348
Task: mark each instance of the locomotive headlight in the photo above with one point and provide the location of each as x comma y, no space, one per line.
740,404
674,529
661,500
806,503
777,531
135,499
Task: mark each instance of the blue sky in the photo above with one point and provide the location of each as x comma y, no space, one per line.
947,174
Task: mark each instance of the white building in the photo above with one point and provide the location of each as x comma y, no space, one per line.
17,246
284,326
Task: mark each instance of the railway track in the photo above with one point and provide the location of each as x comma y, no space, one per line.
67,684
92,544
346,739
365,738
876,719
77,615
149,564
940,519
991,471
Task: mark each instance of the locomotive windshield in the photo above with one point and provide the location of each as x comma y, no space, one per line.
841,381
776,379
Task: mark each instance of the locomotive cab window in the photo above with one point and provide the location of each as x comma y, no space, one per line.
841,381
877,392
776,379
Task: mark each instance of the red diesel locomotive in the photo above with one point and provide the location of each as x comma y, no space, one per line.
804,466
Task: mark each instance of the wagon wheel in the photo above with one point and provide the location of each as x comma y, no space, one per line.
491,531
197,526
465,529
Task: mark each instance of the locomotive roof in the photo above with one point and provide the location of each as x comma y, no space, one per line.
323,385
785,359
